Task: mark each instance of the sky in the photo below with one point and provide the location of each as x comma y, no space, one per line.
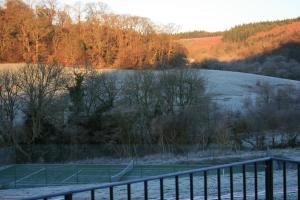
208,15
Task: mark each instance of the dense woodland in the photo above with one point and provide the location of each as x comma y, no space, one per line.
83,35
239,33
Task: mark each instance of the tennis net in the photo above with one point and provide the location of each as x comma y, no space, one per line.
118,176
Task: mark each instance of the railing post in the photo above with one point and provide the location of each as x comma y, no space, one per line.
191,187
231,183
298,181
205,185
128,192
298,172
176,188
219,183
284,180
146,190
161,183
111,193
68,196
269,179
244,183
92,194
255,181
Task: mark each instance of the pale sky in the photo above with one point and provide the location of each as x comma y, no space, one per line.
209,15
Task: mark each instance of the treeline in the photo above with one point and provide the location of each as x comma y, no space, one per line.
241,33
196,34
86,36
44,105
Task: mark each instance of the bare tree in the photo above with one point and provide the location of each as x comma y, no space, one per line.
100,92
140,94
40,85
9,108
9,103
140,90
181,88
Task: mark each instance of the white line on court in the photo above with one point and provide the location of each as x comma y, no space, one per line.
68,178
5,167
27,176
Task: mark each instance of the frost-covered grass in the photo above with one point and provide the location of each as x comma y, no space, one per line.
231,88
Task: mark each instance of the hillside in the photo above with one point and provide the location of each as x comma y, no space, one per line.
271,36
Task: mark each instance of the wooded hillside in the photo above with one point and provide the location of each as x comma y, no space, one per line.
92,35
243,41
241,33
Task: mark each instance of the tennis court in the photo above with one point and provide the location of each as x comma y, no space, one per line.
36,175
32,175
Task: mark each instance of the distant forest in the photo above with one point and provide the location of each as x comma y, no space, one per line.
267,48
89,35
238,33
196,34
241,33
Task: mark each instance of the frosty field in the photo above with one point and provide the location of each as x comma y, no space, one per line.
228,89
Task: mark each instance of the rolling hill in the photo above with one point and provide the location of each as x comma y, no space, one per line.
245,41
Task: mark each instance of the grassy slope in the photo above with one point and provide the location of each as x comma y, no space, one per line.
200,49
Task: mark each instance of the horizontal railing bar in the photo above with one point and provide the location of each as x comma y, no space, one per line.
286,160
152,178
66,164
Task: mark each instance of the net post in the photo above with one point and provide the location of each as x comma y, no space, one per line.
15,175
46,175
77,171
